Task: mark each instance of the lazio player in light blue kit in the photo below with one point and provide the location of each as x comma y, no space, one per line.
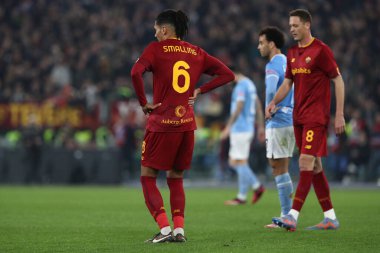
245,106
279,131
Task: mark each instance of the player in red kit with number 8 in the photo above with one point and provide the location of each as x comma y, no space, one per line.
311,66
169,138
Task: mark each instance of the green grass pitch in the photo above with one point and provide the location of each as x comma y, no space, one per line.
115,219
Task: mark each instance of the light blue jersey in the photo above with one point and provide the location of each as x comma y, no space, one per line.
274,76
245,90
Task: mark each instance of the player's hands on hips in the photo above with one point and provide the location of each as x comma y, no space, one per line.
148,108
339,125
195,94
269,110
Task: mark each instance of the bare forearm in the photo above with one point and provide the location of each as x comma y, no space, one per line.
259,113
339,95
233,118
283,91
235,114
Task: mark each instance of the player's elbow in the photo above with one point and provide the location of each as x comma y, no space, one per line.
230,75
136,71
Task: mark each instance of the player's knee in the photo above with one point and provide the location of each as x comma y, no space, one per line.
148,172
279,166
279,171
306,162
175,173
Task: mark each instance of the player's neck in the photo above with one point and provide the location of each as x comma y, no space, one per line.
306,41
273,53
172,38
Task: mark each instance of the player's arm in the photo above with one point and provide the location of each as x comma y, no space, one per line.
137,73
260,120
339,112
282,92
213,67
232,119
328,64
271,81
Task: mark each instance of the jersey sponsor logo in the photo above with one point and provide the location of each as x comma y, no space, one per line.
179,49
179,111
308,147
308,59
301,71
176,122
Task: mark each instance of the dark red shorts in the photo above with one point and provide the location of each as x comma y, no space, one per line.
166,151
311,140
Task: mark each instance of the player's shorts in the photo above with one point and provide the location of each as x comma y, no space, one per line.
280,142
240,144
311,140
167,151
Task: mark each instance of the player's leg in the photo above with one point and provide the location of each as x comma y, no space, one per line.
283,182
279,146
152,160
284,186
177,203
307,144
322,191
241,170
175,182
155,204
239,153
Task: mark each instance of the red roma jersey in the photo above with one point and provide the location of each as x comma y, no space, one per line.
177,66
311,68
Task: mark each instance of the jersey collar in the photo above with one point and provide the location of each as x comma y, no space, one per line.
308,44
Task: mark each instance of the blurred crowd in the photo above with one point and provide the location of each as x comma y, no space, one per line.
80,52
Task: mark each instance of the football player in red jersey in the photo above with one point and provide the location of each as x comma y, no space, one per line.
310,66
169,138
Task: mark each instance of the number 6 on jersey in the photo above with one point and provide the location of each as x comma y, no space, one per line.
179,69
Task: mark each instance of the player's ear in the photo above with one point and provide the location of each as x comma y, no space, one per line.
307,25
164,30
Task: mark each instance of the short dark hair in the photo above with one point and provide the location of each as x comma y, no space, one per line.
274,34
176,18
303,14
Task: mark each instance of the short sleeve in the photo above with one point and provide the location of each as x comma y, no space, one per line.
288,73
327,62
240,92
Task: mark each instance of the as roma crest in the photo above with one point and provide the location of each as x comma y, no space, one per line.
179,111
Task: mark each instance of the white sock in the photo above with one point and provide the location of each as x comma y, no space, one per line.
179,231
242,197
256,186
330,214
166,230
294,213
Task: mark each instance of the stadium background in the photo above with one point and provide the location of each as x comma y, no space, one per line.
68,113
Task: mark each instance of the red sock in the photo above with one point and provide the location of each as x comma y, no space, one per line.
153,200
303,189
322,190
177,201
